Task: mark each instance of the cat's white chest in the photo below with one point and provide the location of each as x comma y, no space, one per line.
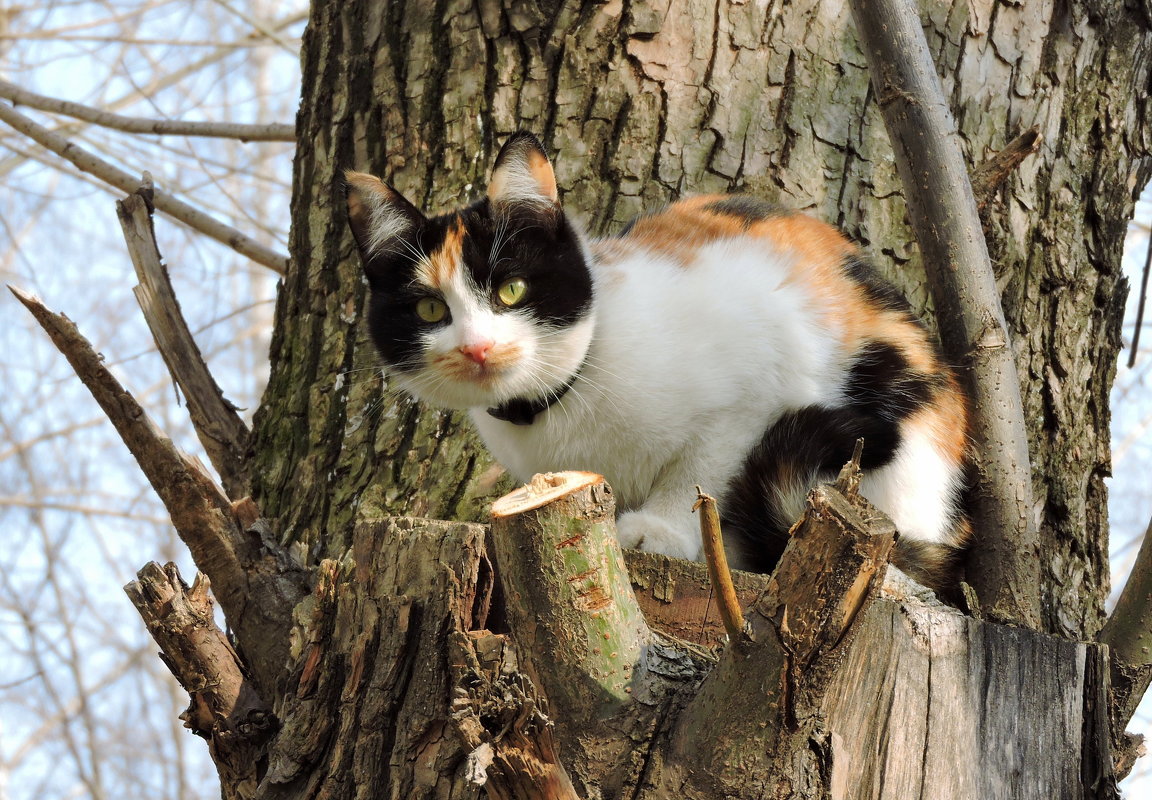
685,370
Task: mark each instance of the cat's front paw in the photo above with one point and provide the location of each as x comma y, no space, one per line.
654,534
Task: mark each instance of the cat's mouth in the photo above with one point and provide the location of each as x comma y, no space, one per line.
497,363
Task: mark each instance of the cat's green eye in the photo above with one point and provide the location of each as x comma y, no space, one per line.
512,291
430,309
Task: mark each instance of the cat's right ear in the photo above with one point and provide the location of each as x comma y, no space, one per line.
523,174
378,215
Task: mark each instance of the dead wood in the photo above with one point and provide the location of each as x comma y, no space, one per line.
216,421
224,707
256,582
756,711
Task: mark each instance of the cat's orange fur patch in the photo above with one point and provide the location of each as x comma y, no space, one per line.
441,265
457,366
681,229
945,422
818,253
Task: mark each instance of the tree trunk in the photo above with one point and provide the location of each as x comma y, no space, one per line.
642,101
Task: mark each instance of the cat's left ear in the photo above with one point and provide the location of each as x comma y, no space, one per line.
523,173
378,214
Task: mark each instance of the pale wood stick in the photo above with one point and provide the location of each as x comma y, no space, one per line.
717,561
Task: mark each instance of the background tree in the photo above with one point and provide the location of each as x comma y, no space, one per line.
640,103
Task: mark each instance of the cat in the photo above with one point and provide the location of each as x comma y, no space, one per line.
721,341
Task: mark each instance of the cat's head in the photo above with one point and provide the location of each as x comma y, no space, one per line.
482,305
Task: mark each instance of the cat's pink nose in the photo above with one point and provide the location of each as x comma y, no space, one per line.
477,351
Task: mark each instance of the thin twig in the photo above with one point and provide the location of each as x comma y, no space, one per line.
993,172
1004,565
218,426
271,132
1134,349
726,600
177,209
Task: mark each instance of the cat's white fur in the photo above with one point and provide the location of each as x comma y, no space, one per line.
683,369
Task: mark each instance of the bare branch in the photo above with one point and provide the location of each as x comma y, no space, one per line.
177,209
218,426
271,132
1005,568
1128,634
257,583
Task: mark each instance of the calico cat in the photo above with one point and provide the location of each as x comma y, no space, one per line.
720,342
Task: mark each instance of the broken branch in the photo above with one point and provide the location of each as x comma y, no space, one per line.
797,633
717,561
224,707
987,177
218,426
256,583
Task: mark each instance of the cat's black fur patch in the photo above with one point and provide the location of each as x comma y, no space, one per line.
539,245
881,383
880,391
748,208
875,288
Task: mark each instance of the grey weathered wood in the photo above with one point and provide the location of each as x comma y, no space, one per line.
931,703
216,421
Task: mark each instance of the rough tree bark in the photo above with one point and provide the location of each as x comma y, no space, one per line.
642,101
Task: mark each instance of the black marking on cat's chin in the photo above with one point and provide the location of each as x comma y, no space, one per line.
881,391
523,411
